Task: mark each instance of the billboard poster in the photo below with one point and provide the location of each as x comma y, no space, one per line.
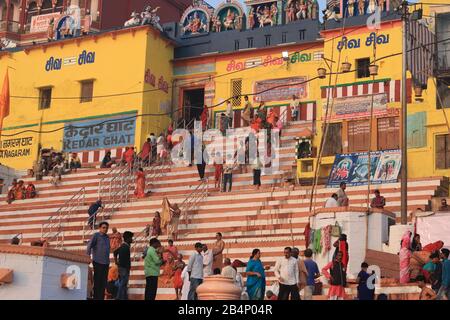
104,133
353,168
280,89
41,22
358,107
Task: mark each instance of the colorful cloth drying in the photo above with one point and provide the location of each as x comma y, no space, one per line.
317,245
326,238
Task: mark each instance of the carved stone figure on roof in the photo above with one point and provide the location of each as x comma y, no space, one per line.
351,8
216,25
371,7
315,10
229,21
134,21
361,5
251,18
290,11
274,13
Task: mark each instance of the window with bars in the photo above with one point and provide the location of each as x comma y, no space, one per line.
87,90
442,151
250,42
388,133
333,141
236,91
268,36
45,98
362,67
301,34
358,136
283,37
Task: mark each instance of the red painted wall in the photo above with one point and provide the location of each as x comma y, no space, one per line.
114,13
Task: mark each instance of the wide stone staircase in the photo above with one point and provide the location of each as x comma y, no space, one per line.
269,219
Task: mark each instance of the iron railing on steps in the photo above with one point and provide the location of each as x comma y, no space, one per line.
52,231
193,199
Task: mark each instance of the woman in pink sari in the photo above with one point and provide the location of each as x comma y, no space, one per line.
405,258
140,184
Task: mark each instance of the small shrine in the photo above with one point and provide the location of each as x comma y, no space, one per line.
301,9
229,15
196,19
262,13
351,8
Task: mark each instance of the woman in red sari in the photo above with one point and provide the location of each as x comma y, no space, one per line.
129,156
12,192
140,184
204,117
30,192
177,281
146,149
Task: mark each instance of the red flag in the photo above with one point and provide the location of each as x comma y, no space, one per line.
4,100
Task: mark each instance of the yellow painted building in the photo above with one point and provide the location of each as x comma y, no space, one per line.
122,75
427,123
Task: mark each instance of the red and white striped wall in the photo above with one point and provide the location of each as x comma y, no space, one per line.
95,156
391,87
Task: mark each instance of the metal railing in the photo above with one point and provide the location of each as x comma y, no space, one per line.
140,241
113,190
193,199
53,229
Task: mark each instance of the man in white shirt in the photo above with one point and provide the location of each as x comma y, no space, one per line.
186,284
228,271
332,202
207,261
229,114
195,270
287,274
342,196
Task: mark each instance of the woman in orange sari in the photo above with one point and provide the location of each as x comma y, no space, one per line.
20,191
177,281
139,192
168,273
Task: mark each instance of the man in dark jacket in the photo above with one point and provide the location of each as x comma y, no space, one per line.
99,248
123,261
92,211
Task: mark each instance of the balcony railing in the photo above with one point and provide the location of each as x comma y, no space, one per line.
9,26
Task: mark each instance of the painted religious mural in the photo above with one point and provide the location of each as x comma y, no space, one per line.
196,19
263,14
228,16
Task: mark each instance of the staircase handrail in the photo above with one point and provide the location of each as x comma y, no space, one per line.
53,228
197,195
